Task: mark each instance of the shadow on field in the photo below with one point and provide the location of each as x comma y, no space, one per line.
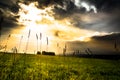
99,56
113,56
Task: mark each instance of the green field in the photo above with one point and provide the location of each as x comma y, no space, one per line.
40,67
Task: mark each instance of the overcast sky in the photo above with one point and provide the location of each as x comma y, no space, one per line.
99,17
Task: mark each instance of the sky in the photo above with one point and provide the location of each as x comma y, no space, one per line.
76,24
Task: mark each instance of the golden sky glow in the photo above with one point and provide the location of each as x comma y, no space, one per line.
42,21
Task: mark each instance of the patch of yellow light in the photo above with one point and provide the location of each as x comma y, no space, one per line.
31,14
85,39
99,33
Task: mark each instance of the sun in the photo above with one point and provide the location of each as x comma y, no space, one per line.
31,14
35,19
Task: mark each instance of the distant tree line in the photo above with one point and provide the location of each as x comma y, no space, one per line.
46,53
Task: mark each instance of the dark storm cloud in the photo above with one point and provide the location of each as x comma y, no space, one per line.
111,37
106,5
9,4
9,19
103,22
8,9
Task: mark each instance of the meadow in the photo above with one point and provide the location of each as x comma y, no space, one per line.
42,67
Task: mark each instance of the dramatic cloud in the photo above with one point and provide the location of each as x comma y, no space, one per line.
80,15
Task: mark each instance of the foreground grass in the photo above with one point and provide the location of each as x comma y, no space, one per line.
39,67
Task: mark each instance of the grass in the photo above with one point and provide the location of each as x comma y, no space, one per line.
40,67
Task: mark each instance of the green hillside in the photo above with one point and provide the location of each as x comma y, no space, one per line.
40,67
